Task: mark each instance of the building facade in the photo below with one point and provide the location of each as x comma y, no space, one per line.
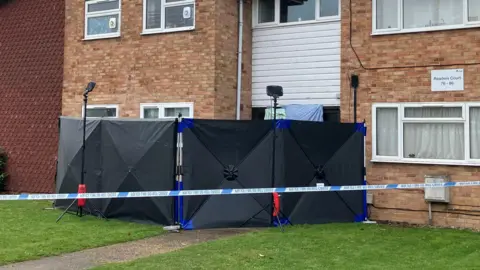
296,44
419,93
31,75
417,63
156,58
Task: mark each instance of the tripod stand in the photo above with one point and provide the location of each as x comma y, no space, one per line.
82,187
275,92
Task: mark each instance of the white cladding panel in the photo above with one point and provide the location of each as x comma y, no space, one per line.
304,59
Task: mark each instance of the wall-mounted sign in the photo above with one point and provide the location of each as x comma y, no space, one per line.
187,12
112,23
447,80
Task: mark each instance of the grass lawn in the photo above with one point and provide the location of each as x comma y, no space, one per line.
29,232
344,246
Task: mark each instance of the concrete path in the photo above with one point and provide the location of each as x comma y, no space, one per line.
125,251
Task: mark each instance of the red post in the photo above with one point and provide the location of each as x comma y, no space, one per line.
81,189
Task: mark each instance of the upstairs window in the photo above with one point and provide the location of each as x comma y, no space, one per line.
397,16
102,19
168,15
274,12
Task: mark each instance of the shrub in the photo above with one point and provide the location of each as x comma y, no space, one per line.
3,174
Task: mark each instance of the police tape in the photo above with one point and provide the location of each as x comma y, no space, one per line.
209,192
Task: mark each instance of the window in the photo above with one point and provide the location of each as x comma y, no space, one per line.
102,19
274,12
102,111
166,110
397,16
168,15
474,132
447,133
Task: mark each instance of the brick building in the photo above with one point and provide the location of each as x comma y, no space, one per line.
146,66
31,73
418,65
155,58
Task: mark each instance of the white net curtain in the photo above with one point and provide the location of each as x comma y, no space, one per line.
429,139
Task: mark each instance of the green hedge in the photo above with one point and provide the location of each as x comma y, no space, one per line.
3,174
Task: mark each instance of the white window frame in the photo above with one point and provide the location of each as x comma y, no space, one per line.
402,119
162,106
102,13
277,22
400,30
108,106
162,29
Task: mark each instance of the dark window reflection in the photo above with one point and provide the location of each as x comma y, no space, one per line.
297,10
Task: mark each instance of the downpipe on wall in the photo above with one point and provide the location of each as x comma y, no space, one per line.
239,58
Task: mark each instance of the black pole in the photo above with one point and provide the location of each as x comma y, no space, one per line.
82,178
355,105
274,144
354,81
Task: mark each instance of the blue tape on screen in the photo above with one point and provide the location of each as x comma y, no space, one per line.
175,193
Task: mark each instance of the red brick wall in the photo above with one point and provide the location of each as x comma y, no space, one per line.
409,85
194,66
31,63
226,59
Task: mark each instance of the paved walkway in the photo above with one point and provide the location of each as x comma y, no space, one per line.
125,251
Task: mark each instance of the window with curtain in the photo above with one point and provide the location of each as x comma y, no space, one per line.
166,110
433,139
153,14
151,113
387,131
427,133
407,15
387,14
102,18
473,10
430,13
475,132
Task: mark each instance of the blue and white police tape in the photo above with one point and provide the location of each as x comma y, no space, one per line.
175,193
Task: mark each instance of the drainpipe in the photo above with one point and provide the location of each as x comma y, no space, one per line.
239,55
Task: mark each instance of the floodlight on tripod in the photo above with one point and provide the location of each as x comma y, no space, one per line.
274,91
81,203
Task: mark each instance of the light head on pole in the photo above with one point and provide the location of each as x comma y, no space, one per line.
274,91
354,81
90,87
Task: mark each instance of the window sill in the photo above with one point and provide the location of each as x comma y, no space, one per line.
470,163
101,37
169,30
420,30
319,21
